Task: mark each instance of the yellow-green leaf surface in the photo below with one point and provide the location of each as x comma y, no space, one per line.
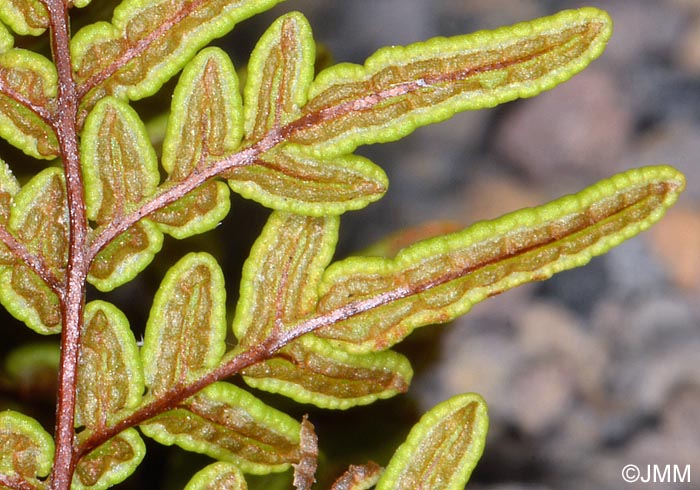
310,370
439,279
148,42
442,449
229,424
110,376
205,122
110,463
39,219
198,211
24,16
127,255
280,72
218,476
281,275
186,329
6,39
27,297
291,179
27,449
28,83
206,114
401,88
118,161
120,170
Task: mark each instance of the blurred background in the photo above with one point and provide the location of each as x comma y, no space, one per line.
585,373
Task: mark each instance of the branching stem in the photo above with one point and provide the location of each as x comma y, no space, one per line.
64,118
235,365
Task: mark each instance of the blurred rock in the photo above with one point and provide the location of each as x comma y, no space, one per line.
676,143
482,363
580,128
676,241
674,441
375,24
541,394
643,29
458,16
547,330
497,193
578,289
645,383
634,271
679,423
652,324
688,54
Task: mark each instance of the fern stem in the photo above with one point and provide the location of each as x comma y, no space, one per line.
73,302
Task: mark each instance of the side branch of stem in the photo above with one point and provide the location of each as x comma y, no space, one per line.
35,262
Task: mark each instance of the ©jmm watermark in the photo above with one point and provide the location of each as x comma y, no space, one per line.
656,473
